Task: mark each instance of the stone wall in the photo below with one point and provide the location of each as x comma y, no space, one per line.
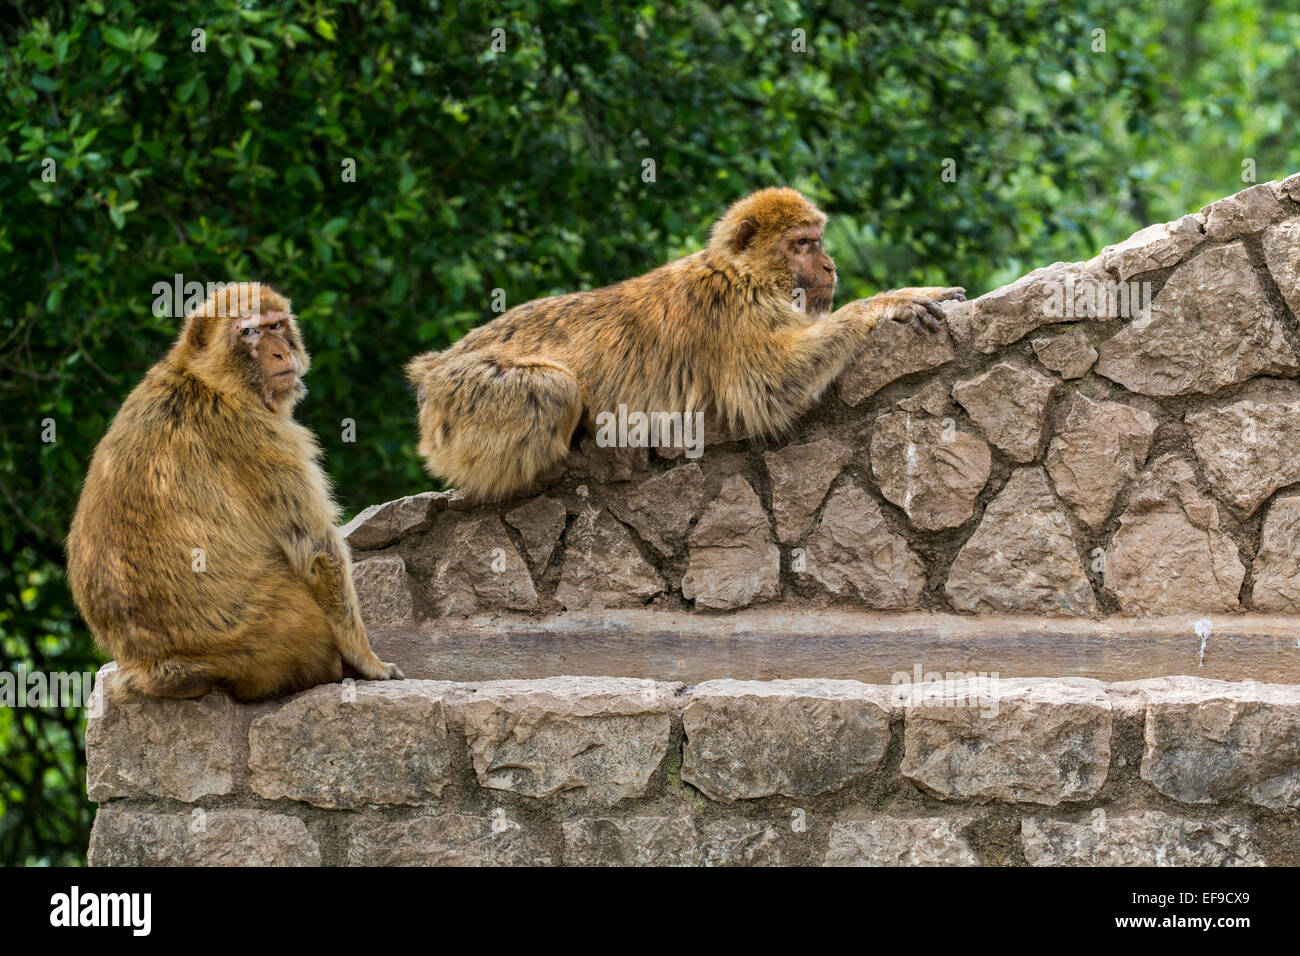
1107,438
1070,479
604,770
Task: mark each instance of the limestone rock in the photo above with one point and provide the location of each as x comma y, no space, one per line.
1046,742
751,739
933,473
894,349
602,567
733,560
901,841
348,745
1155,247
606,464
1250,446
661,509
1208,741
1010,404
152,746
482,569
854,554
600,737
934,398
1169,555
384,524
1277,566
1061,292
632,841
383,589
801,475
450,839
1290,187
1098,450
1145,838
540,523
1242,214
1282,254
747,841
1069,354
126,836
1210,326
1022,557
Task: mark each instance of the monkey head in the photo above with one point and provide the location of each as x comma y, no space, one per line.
774,236
244,342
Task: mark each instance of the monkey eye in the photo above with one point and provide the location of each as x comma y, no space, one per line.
249,332
276,327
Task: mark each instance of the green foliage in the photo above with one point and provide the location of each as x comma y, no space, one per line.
521,170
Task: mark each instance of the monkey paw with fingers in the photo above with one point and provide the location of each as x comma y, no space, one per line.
920,306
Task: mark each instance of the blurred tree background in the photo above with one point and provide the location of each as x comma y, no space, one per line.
521,169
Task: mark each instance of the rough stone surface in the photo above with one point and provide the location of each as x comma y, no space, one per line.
1169,554
381,525
1290,187
125,836
1157,246
1010,405
893,350
733,560
1277,566
751,739
383,589
1147,838
1096,453
633,841
614,463
482,569
540,523
451,839
348,745
756,842
602,567
1282,254
853,554
1236,740
1022,557
1061,292
901,841
1069,354
801,475
149,746
1250,446
1210,326
933,473
1048,742
661,509
1242,214
602,738
934,398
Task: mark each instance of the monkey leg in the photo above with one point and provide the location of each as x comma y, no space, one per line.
491,425
169,677
290,649
331,587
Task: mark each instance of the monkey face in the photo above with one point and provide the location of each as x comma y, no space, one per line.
813,269
270,350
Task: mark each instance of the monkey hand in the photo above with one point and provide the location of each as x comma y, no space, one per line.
920,305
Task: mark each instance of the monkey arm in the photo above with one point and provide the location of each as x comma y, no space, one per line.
801,363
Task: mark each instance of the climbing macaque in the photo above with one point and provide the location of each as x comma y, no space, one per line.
204,551
738,331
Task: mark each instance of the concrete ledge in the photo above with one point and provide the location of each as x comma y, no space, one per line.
862,645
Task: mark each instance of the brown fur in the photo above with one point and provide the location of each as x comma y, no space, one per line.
204,454
716,332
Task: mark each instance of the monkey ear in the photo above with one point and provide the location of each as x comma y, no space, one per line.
196,333
744,233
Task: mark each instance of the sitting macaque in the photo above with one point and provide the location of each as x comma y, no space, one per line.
740,332
204,551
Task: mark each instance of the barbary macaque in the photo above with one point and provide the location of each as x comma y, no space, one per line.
204,551
740,332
